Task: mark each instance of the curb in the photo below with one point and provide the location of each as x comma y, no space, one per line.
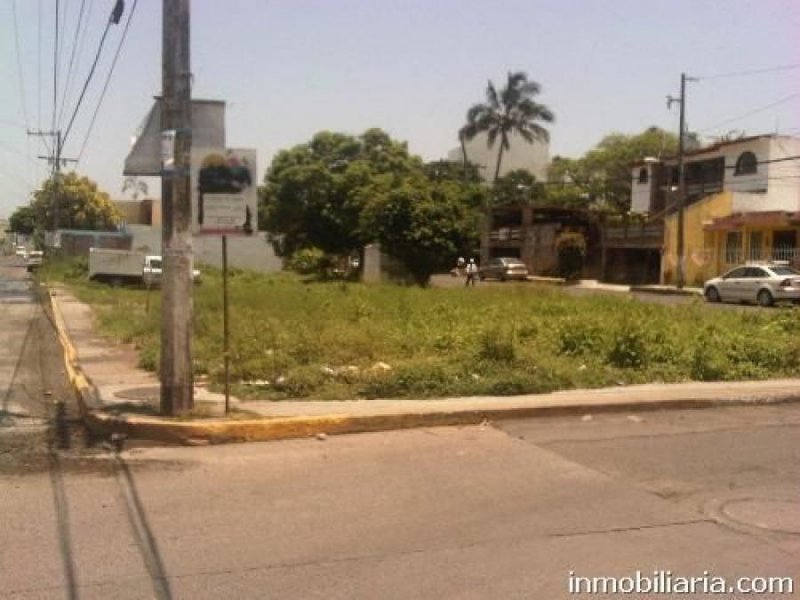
284,428
217,431
665,291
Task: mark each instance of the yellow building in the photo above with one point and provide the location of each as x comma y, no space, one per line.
700,247
742,204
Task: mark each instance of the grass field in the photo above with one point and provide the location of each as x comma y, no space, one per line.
347,340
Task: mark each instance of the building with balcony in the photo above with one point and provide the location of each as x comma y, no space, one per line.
742,203
530,234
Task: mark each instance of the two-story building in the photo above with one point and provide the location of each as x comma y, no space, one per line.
742,203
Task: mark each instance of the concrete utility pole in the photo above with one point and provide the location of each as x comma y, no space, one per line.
681,279
56,161
177,383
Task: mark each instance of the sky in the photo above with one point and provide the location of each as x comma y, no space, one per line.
290,68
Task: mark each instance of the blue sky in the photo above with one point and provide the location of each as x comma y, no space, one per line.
289,68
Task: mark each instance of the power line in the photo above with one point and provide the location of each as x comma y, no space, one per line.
108,78
751,113
114,18
19,66
750,72
68,79
55,68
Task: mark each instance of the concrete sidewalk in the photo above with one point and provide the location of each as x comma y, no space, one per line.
116,395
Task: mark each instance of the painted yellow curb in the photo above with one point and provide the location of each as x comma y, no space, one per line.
281,428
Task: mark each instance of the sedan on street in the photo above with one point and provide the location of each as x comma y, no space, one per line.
504,268
763,283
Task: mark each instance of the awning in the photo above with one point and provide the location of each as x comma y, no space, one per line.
208,131
773,219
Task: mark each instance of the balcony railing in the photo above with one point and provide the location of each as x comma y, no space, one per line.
505,234
735,256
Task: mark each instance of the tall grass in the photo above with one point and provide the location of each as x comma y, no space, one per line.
344,340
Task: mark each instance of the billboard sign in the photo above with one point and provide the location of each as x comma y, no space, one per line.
224,196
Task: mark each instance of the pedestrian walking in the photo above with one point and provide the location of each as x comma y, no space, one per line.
472,272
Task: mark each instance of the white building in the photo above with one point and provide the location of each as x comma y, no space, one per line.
533,157
761,173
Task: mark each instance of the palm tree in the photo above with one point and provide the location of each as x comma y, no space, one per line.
512,110
136,185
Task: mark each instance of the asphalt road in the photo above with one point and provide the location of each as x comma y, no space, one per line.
473,512
507,510
38,412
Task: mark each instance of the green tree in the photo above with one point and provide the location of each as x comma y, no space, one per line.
423,225
23,220
602,177
512,110
81,205
518,187
313,194
331,194
445,170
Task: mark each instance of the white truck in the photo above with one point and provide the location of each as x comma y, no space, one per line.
124,266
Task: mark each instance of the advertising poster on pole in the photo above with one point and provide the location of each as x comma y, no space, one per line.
224,191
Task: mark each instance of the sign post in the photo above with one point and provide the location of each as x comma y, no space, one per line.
225,204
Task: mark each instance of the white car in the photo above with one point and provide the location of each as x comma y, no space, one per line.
764,283
33,260
20,251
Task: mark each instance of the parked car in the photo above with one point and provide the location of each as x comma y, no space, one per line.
504,268
20,251
33,260
764,283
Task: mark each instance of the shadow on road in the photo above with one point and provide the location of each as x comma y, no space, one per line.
142,532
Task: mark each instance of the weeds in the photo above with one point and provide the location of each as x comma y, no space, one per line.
337,340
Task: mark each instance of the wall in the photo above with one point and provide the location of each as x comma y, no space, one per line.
697,266
243,252
641,192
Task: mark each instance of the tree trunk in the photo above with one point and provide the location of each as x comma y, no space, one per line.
463,154
499,161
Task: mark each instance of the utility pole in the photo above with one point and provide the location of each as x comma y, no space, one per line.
681,279
177,383
56,161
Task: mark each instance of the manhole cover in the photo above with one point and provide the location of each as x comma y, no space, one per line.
775,515
140,394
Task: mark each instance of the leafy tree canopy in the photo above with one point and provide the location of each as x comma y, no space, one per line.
23,220
518,187
422,225
602,177
81,205
445,170
339,192
313,193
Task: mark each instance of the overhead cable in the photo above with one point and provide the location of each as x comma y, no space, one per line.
108,79
111,21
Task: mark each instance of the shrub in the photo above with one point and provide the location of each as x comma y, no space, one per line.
571,249
577,337
497,345
310,261
628,348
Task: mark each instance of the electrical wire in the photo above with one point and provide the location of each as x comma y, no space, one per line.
68,79
108,79
748,72
750,113
55,69
88,80
19,66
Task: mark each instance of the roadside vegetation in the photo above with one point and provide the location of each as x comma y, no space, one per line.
292,338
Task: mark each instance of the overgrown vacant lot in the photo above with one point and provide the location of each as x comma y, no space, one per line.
292,339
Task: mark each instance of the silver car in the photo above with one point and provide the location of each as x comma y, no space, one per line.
504,268
764,283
